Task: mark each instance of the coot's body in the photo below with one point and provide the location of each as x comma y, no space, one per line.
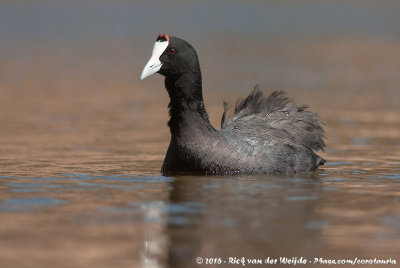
269,135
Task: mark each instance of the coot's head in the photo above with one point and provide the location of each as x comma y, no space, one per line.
171,57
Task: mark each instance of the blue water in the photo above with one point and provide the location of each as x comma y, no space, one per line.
28,203
65,20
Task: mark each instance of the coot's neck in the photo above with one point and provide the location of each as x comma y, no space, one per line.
187,105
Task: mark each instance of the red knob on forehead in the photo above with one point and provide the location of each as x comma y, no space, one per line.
163,37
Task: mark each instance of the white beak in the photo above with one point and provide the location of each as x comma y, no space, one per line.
154,64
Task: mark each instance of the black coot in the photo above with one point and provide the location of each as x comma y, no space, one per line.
270,135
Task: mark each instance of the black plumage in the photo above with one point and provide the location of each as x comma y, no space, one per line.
270,135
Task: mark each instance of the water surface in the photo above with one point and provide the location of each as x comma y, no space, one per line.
82,140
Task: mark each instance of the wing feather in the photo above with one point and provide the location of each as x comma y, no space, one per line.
257,116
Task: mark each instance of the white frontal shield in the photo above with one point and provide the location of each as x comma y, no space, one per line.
154,64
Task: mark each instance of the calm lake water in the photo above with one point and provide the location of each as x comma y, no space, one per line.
83,140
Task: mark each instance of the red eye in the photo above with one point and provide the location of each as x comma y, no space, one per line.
171,51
